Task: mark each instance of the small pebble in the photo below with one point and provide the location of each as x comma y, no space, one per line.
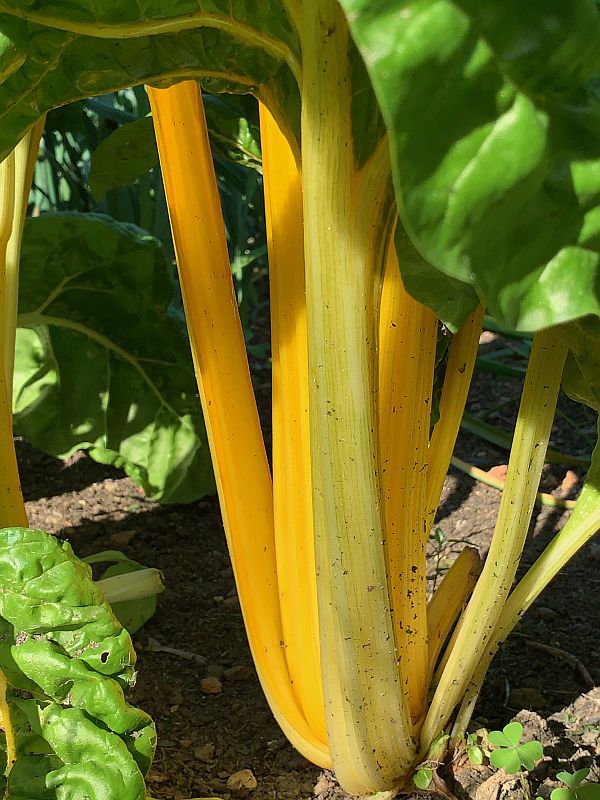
242,782
211,685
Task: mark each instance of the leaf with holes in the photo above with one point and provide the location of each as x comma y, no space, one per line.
78,736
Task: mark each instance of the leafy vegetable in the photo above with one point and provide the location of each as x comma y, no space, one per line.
77,736
487,120
100,363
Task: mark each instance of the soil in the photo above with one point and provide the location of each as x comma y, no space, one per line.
206,737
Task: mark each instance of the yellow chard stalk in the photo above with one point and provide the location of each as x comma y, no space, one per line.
366,708
16,172
292,501
236,442
408,333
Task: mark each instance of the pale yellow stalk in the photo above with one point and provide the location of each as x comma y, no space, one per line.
448,601
12,508
6,725
457,381
532,431
368,722
236,442
583,523
25,155
292,501
407,335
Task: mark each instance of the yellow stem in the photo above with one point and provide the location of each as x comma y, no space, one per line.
532,431
292,502
457,380
12,508
6,724
541,498
407,334
448,600
583,523
26,153
369,727
235,438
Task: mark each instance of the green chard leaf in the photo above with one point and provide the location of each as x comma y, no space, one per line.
100,364
494,124
78,736
54,53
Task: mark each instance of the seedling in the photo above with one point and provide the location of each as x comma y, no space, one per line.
474,750
423,777
510,754
573,790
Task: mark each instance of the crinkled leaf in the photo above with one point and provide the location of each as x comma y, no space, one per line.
84,739
69,51
494,126
100,364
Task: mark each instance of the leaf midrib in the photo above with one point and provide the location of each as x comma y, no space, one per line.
34,320
129,30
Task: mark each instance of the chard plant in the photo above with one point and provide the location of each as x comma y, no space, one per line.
423,159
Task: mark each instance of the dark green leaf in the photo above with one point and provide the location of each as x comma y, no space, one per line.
76,50
129,152
581,378
591,791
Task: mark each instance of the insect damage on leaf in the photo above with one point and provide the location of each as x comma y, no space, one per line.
76,736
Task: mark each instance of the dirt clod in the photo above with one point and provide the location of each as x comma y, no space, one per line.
242,782
211,685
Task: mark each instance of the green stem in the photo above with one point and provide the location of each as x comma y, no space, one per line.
583,523
131,585
542,498
369,728
532,432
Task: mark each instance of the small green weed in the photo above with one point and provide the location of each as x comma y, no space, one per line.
423,777
573,790
474,750
510,754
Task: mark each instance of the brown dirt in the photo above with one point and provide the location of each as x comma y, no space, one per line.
204,738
